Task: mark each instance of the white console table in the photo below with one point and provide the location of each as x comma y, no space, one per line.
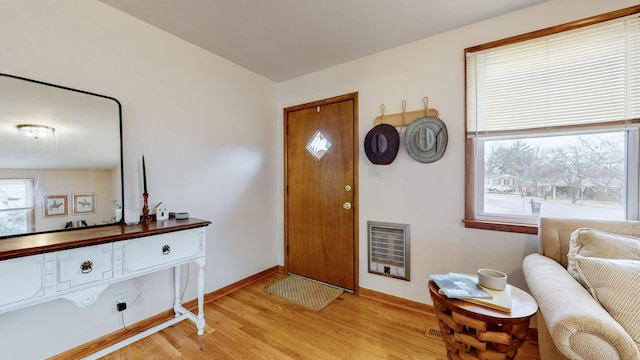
78,265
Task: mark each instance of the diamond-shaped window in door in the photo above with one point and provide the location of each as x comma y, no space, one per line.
318,145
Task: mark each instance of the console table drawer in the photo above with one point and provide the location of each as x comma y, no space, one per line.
22,279
146,253
85,265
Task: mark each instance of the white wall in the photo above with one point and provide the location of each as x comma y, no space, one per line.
429,197
206,128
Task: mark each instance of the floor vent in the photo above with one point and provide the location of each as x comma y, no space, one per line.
389,249
434,333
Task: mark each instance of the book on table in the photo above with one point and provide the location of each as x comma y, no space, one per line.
501,299
459,286
497,299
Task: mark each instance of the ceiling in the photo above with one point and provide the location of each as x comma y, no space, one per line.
284,39
87,127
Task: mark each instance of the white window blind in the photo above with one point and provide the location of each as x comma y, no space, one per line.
585,76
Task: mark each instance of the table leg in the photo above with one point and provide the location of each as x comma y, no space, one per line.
177,275
201,322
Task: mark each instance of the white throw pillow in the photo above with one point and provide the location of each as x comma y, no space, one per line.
595,243
615,284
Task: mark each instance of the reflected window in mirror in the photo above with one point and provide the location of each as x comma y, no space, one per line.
16,206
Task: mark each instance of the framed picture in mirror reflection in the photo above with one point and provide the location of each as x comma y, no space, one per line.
84,204
55,205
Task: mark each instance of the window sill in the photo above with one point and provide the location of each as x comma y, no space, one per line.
500,226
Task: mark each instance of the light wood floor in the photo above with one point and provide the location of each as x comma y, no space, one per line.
253,324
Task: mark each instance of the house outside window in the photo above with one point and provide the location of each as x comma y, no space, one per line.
552,125
16,206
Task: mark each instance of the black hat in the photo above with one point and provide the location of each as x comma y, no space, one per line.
381,144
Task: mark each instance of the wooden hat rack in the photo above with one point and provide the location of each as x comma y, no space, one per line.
405,118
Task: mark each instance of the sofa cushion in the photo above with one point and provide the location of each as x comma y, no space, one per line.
615,284
594,243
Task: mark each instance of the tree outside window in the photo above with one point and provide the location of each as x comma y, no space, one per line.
568,175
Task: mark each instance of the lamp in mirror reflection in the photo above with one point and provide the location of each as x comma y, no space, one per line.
36,131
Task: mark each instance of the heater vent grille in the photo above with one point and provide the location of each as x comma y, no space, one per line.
434,333
389,249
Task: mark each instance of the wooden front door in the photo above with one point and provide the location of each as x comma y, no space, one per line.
321,190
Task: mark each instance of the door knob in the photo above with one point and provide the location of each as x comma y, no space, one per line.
346,205
347,188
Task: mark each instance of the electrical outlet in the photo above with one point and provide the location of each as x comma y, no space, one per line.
117,299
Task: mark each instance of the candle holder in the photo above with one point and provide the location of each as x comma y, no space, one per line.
145,209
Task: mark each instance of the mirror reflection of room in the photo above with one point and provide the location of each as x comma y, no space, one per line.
60,158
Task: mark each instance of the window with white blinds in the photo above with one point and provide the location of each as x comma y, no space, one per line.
553,124
580,77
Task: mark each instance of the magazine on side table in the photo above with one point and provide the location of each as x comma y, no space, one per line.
465,287
459,286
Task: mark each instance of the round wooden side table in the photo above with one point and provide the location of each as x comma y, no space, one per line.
473,331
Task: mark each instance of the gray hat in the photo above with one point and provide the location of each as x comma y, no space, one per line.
426,139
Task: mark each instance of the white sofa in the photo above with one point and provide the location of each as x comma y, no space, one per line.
572,324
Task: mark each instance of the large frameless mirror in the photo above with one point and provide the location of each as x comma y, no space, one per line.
60,158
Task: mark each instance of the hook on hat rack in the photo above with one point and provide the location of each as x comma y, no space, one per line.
405,118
